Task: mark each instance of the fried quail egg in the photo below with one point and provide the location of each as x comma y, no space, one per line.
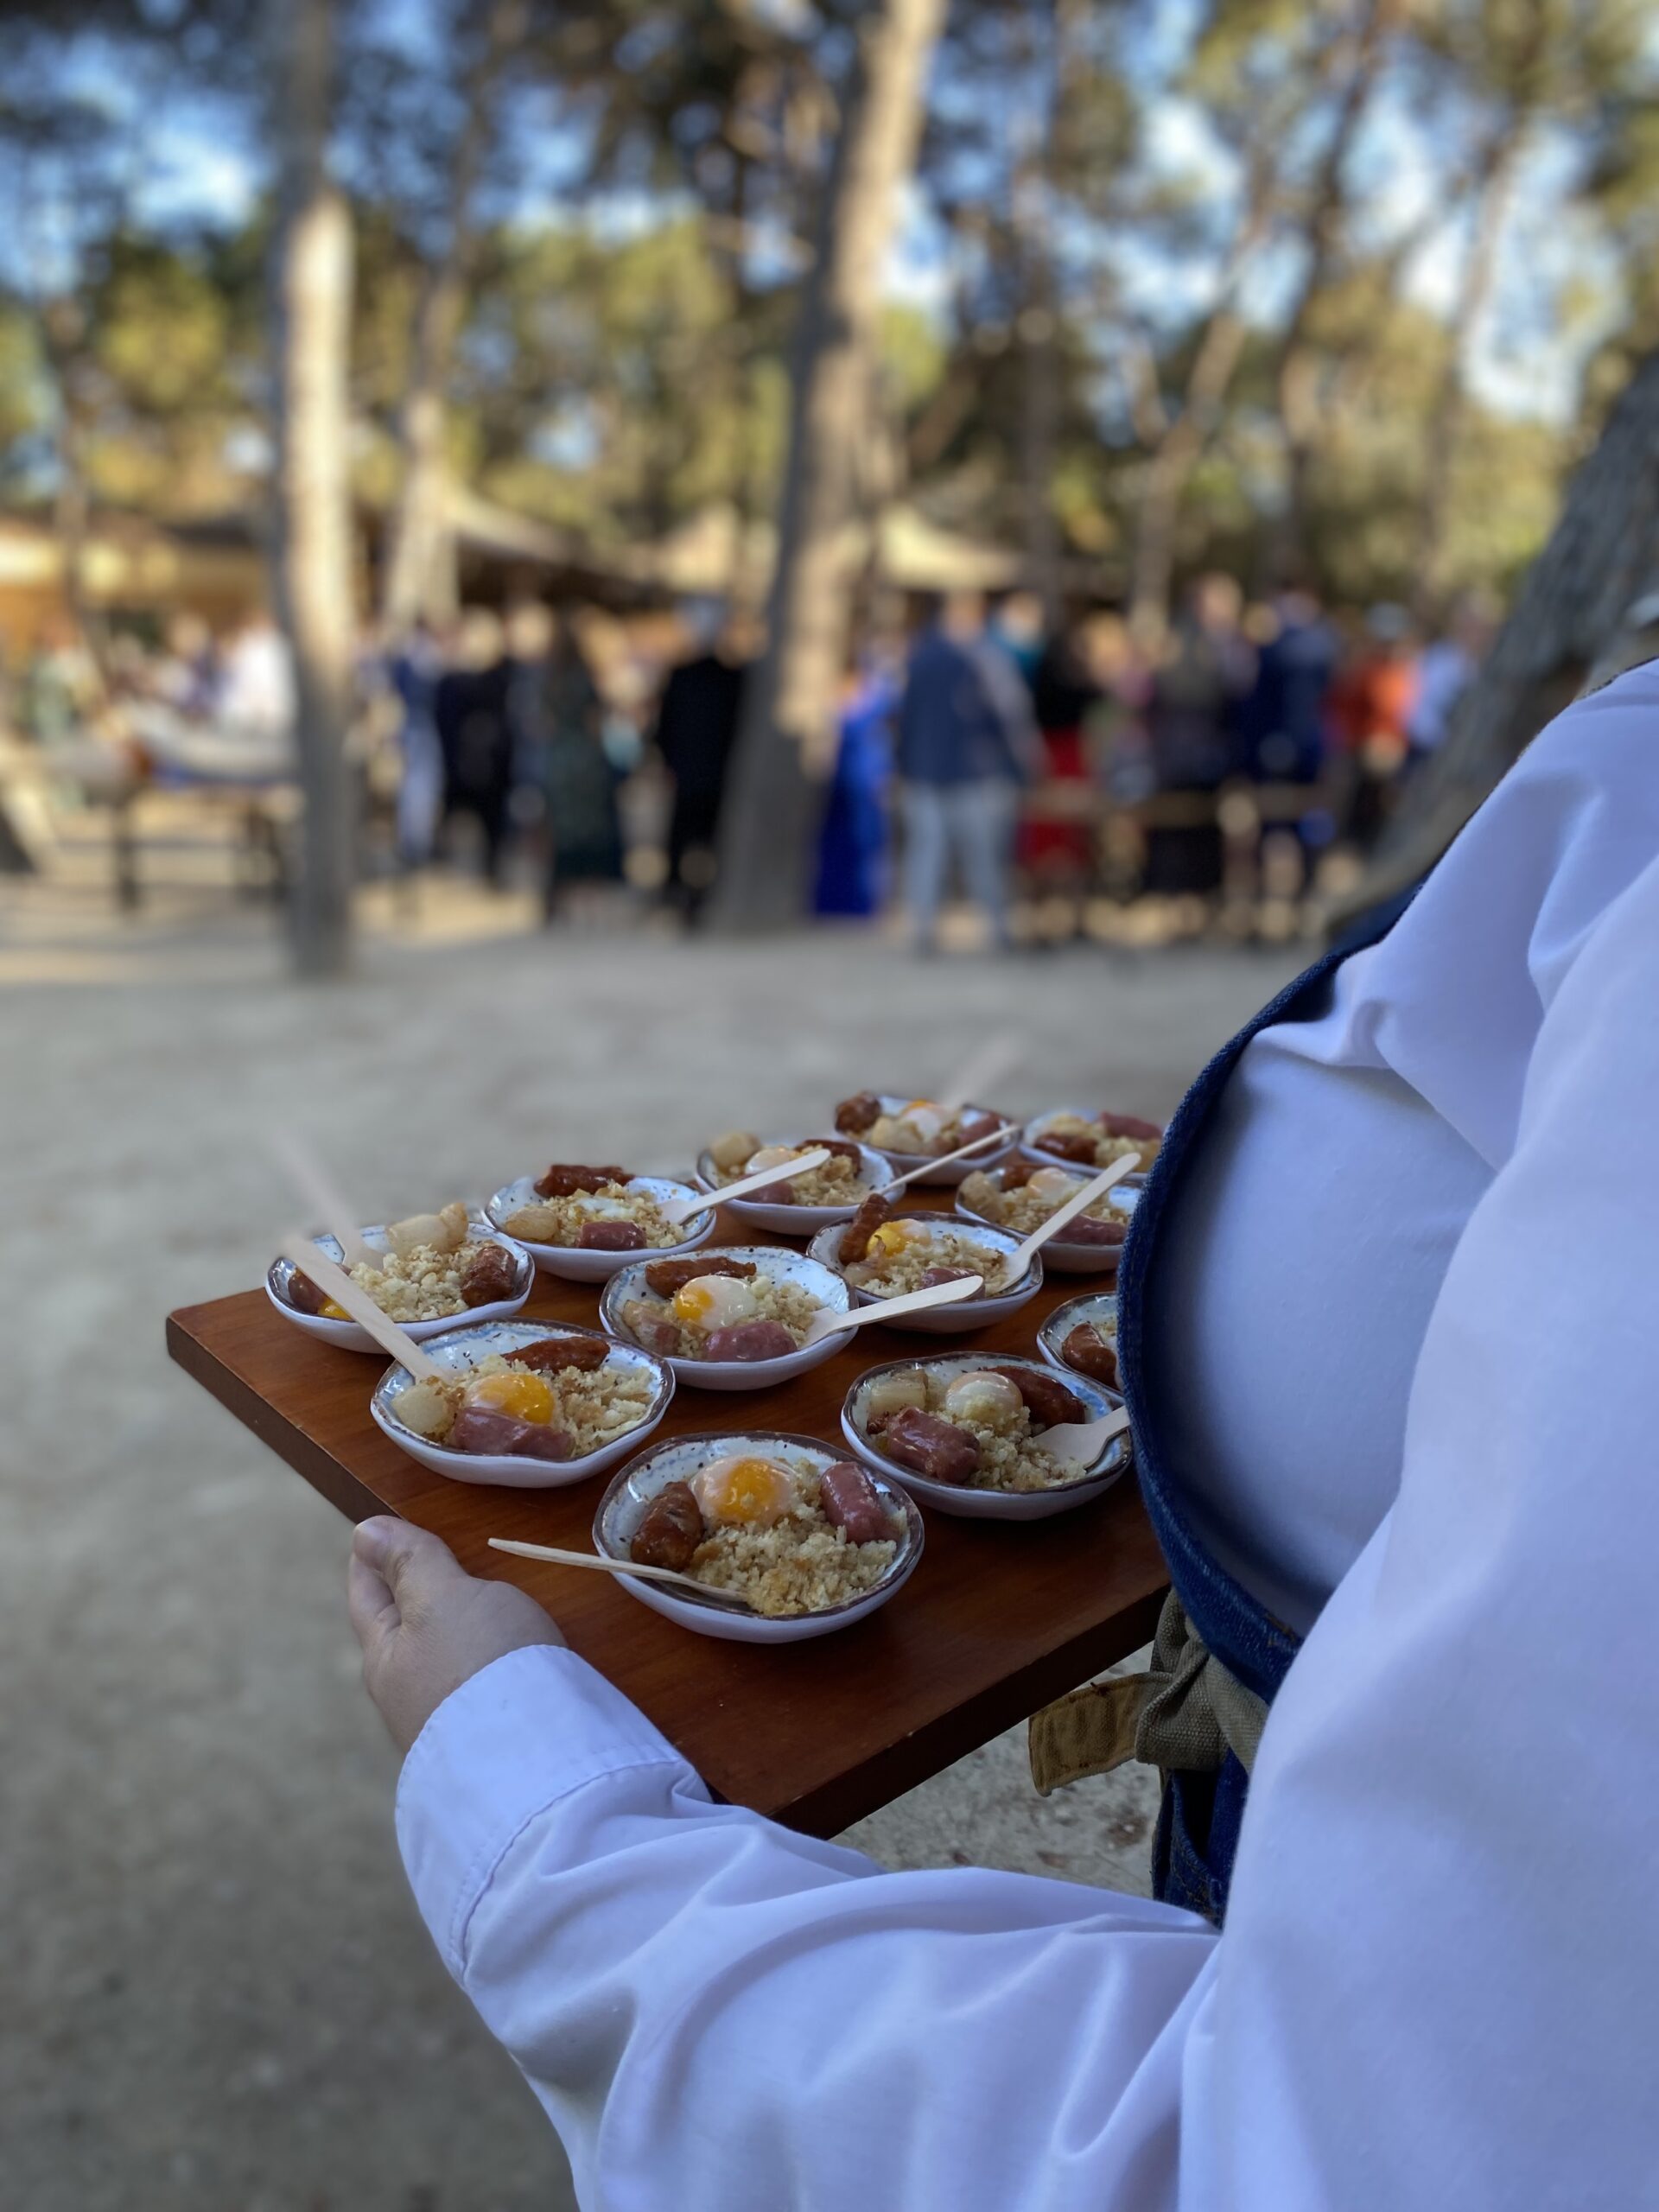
989,1399
772,1155
750,1490
928,1120
714,1301
894,1236
1052,1185
523,1395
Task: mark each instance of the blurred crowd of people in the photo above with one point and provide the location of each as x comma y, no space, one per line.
975,742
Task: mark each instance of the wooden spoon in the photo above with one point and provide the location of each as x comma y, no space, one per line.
679,1210
979,1144
1020,1261
1082,1441
622,1567
913,1301
316,1187
298,1248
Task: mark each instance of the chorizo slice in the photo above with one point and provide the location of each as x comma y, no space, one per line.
852,1504
670,1529
856,1237
1085,1348
1130,1125
1070,1144
859,1112
1089,1229
667,1276
477,1428
550,1353
931,1444
490,1274
1047,1400
565,1180
933,1275
610,1236
303,1294
749,1340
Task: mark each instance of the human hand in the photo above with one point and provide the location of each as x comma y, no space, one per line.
425,1625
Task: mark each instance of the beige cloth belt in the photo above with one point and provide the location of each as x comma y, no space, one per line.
1184,1715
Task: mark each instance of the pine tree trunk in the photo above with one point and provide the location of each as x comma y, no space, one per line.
1602,557
786,745
312,282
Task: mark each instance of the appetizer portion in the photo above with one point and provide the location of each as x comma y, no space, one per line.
718,1307
787,1536
837,1183
884,1254
915,1127
595,1209
559,1398
1020,1198
435,1267
1098,1142
972,1426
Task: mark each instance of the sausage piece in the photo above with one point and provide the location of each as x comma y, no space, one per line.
749,1340
666,1276
859,1112
490,1273
303,1294
932,1446
1067,1144
670,1530
977,1124
837,1148
564,1179
1087,1351
610,1236
550,1353
932,1275
856,1237
1089,1229
1046,1397
476,1428
1017,1174
852,1504
1127,1125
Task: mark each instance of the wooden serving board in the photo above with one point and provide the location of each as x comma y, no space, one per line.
999,1618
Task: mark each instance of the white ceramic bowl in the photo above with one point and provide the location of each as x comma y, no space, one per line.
570,1260
987,1504
1061,1258
464,1349
946,1320
623,1506
874,1174
1031,1138
350,1338
993,1155
1101,1305
823,1283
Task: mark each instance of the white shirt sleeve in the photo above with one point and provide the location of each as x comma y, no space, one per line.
1436,1985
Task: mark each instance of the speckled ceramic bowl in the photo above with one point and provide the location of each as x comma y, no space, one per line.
993,1156
464,1349
570,1260
947,1320
624,1503
1030,1139
350,1338
959,1499
786,1220
1060,1258
1099,1306
775,1260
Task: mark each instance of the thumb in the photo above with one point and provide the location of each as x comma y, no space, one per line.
412,1562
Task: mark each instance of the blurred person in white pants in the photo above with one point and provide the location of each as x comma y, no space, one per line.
966,743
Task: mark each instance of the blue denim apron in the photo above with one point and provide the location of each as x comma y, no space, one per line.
1199,1818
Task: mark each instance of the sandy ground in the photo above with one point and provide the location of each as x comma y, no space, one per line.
220,1998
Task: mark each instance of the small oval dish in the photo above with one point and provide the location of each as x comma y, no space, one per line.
944,1321
1074,1129
776,1289
891,1106
965,1499
575,1262
787,1218
1098,1310
347,1334
1062,1255
682,1460
649,1385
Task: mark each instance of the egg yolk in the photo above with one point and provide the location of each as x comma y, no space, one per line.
713,1301
893,1235
523,1396
333,1311
753,1492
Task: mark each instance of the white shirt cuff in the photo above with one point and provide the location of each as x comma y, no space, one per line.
514,1739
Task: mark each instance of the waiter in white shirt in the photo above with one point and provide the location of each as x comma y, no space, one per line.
1393,1374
